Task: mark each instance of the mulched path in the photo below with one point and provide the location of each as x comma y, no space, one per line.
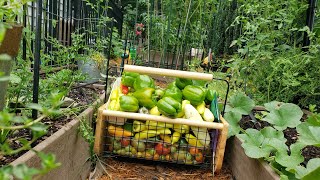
309,152
82,95
128,169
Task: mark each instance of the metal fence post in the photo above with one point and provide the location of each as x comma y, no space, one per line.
36,66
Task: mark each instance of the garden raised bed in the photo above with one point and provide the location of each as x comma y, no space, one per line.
70,149
244,167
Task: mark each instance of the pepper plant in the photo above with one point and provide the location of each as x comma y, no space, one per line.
10,124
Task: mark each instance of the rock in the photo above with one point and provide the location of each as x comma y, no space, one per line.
67,102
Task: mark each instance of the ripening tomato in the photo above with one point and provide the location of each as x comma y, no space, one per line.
193,151
156,157
124,89
199,157
162,149
125,142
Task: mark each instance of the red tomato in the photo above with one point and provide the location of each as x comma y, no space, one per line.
199,157
124,89
162,149
193,150
125,142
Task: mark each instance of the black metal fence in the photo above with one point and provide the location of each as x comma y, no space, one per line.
60,18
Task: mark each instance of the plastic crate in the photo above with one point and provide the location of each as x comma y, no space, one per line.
156,147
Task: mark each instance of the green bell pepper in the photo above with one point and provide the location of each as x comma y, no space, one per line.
194,94
181,83
128,78
143,81
145,97
169,106
128,126
199,83
173,92
171,85
129,103
210,95
159,93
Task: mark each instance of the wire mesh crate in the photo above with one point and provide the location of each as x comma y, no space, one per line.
160,138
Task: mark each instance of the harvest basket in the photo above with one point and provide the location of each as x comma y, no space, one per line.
157,146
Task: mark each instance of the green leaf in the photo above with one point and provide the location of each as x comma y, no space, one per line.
22,171
273,105
5,172
240,103
311,172
233,119
255,151
258,144
15,79
38,130
48,161
309,135
252,145
287,115
293,160
19,119
35,106
314,119
23,141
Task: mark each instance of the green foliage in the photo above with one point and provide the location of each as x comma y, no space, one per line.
269,143
309,135
240,103
10,9
22,171
271,64
311,172
283,116
233,120
259,144
86,132
10,123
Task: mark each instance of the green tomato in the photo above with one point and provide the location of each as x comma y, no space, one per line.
151,151
173,149
133,151
140,146
128,148
162,157
122,152
116,145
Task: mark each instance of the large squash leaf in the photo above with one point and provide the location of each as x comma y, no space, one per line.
286,115
312,171
240,103
233,119
309,135
292,160
259,144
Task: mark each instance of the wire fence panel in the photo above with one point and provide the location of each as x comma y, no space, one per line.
61,18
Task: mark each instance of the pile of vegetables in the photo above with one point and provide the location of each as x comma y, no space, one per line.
183,98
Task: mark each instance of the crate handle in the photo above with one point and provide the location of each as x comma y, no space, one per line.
145,117
168,72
